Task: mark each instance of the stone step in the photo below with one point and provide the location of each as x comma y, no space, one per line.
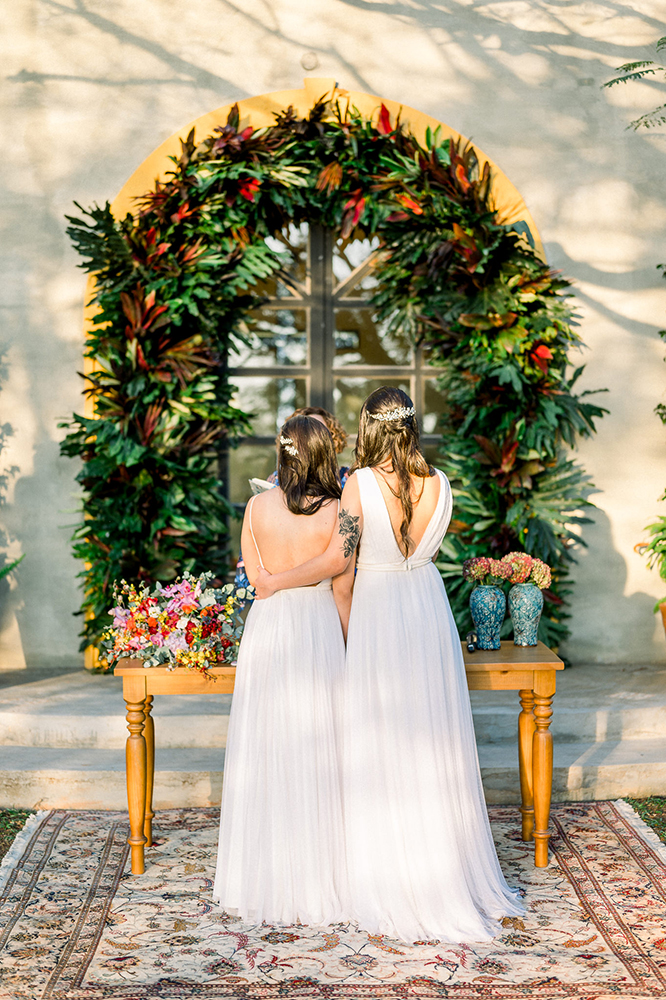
594,703
82,710
48,778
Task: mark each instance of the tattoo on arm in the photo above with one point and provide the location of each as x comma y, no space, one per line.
350,531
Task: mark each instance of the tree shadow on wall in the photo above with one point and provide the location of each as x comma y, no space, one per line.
7,565
602,613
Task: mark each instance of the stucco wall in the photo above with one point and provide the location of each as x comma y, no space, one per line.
88,89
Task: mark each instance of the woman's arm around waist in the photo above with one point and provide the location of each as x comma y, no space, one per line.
333,561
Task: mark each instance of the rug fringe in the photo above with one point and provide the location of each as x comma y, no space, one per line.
19,844
641,827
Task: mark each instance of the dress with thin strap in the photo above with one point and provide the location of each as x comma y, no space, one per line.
281,849
420,853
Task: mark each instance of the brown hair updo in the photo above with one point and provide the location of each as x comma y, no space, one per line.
307,467
395,439
338,433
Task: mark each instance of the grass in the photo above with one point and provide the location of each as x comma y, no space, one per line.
653,812
11,822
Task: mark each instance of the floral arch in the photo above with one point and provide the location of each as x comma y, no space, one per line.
180,256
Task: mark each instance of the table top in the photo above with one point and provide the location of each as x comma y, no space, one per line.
130,666
509,657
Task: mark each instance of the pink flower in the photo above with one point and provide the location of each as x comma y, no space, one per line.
120,616
476,569
175,641
541,575
500,570
521,566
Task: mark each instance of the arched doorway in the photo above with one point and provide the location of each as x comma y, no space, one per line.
313,340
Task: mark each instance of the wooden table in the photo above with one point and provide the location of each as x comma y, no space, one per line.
530,670
527,669
140,685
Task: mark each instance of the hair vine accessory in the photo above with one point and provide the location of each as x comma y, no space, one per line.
399,413
288,445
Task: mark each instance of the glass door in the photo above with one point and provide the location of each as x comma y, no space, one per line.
314,341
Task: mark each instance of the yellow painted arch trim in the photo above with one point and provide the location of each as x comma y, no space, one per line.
260,112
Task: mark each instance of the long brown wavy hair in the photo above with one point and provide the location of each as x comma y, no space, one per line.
309,478
397,440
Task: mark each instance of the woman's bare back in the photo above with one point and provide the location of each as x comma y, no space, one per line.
425,494
284,539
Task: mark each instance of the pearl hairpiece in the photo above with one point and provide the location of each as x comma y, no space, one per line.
399,413
289,447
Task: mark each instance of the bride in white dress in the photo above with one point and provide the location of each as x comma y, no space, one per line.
281,849
420,854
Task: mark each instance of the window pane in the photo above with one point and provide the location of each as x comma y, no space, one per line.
276,337
248,461
347,256
433,455
359,340
270,400
349,394
433,405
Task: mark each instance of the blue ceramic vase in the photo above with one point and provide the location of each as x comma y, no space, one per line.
487,605
525,606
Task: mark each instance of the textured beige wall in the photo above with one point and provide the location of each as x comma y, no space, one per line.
89,88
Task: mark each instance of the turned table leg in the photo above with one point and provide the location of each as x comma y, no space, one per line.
135,762
542,763
149,733
526,728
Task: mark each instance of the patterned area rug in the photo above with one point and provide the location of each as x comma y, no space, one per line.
75,924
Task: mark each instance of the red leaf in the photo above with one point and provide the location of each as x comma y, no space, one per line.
489,447
358,211
184,212
508,456
397,217
541,355
141,358
461,177
352,212
384,123
249,187
409,203
330,178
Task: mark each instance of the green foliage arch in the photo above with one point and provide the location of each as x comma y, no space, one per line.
174,280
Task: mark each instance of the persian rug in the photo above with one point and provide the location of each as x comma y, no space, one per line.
76,925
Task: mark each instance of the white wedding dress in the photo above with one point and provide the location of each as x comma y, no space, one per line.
421,859
281,849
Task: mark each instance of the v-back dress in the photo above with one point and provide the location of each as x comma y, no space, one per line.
420,854
281,848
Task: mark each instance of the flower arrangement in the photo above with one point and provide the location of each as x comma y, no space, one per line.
528,569
486,572
515,567
186,624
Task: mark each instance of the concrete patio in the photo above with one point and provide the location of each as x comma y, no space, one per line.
62,740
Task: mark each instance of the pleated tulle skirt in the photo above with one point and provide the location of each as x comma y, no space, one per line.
281,852
420,854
